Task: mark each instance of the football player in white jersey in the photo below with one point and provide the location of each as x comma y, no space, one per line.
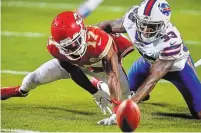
164,55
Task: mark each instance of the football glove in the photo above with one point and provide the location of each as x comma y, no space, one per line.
102,99
112,119
108,121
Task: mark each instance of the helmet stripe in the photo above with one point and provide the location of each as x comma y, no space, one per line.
149,6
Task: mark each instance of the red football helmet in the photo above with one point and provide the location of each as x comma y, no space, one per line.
69,32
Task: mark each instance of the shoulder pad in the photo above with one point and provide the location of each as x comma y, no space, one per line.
99,40
172,43
131,13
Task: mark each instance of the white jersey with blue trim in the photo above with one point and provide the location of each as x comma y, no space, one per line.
168,47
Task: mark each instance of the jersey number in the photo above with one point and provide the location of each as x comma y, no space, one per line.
78,20
95,37
169,35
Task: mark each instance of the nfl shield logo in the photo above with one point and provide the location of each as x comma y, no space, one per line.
165,9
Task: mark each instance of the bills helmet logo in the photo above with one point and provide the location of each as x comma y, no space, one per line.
165,9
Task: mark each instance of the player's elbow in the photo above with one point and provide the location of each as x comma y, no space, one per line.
196,115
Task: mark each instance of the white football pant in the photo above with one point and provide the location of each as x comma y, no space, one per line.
52,71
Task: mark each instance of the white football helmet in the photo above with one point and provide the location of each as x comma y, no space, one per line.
152,19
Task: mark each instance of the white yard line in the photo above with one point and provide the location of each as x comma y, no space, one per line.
191,42
13,72
22,34
19,131
36,34
70,6
198,63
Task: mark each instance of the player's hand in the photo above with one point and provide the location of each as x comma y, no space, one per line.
102,99
108,121
112,119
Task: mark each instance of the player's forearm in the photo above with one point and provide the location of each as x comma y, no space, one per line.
144,89
112,26
112,69
159,69
105,25
114,85
79,77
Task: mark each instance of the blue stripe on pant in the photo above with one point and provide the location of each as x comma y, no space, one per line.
185,80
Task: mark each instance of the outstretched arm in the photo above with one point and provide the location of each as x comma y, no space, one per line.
79,77
112,26
100,96
111,67
157,71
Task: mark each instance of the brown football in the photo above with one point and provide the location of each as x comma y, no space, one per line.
128,116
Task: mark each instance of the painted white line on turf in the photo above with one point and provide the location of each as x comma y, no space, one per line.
57,5
191,42
18,131
22,34
37,4
70,6
36,34
198,63
13,72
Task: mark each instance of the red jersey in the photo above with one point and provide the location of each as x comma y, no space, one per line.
98,45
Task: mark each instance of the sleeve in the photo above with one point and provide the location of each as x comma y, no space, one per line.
104,43
130,17
79,77
172,52
123,44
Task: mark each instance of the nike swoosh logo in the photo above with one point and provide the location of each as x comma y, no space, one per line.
172,43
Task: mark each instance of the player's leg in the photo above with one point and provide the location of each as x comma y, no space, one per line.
189,86
137,74
48,72
124,83
87,7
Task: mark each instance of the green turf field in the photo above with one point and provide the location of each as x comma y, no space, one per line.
62,106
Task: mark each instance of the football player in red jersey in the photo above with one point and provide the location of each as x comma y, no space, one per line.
80,50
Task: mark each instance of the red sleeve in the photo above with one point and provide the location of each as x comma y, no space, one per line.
103,43
123,44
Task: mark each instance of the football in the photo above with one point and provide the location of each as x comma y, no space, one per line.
128,116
